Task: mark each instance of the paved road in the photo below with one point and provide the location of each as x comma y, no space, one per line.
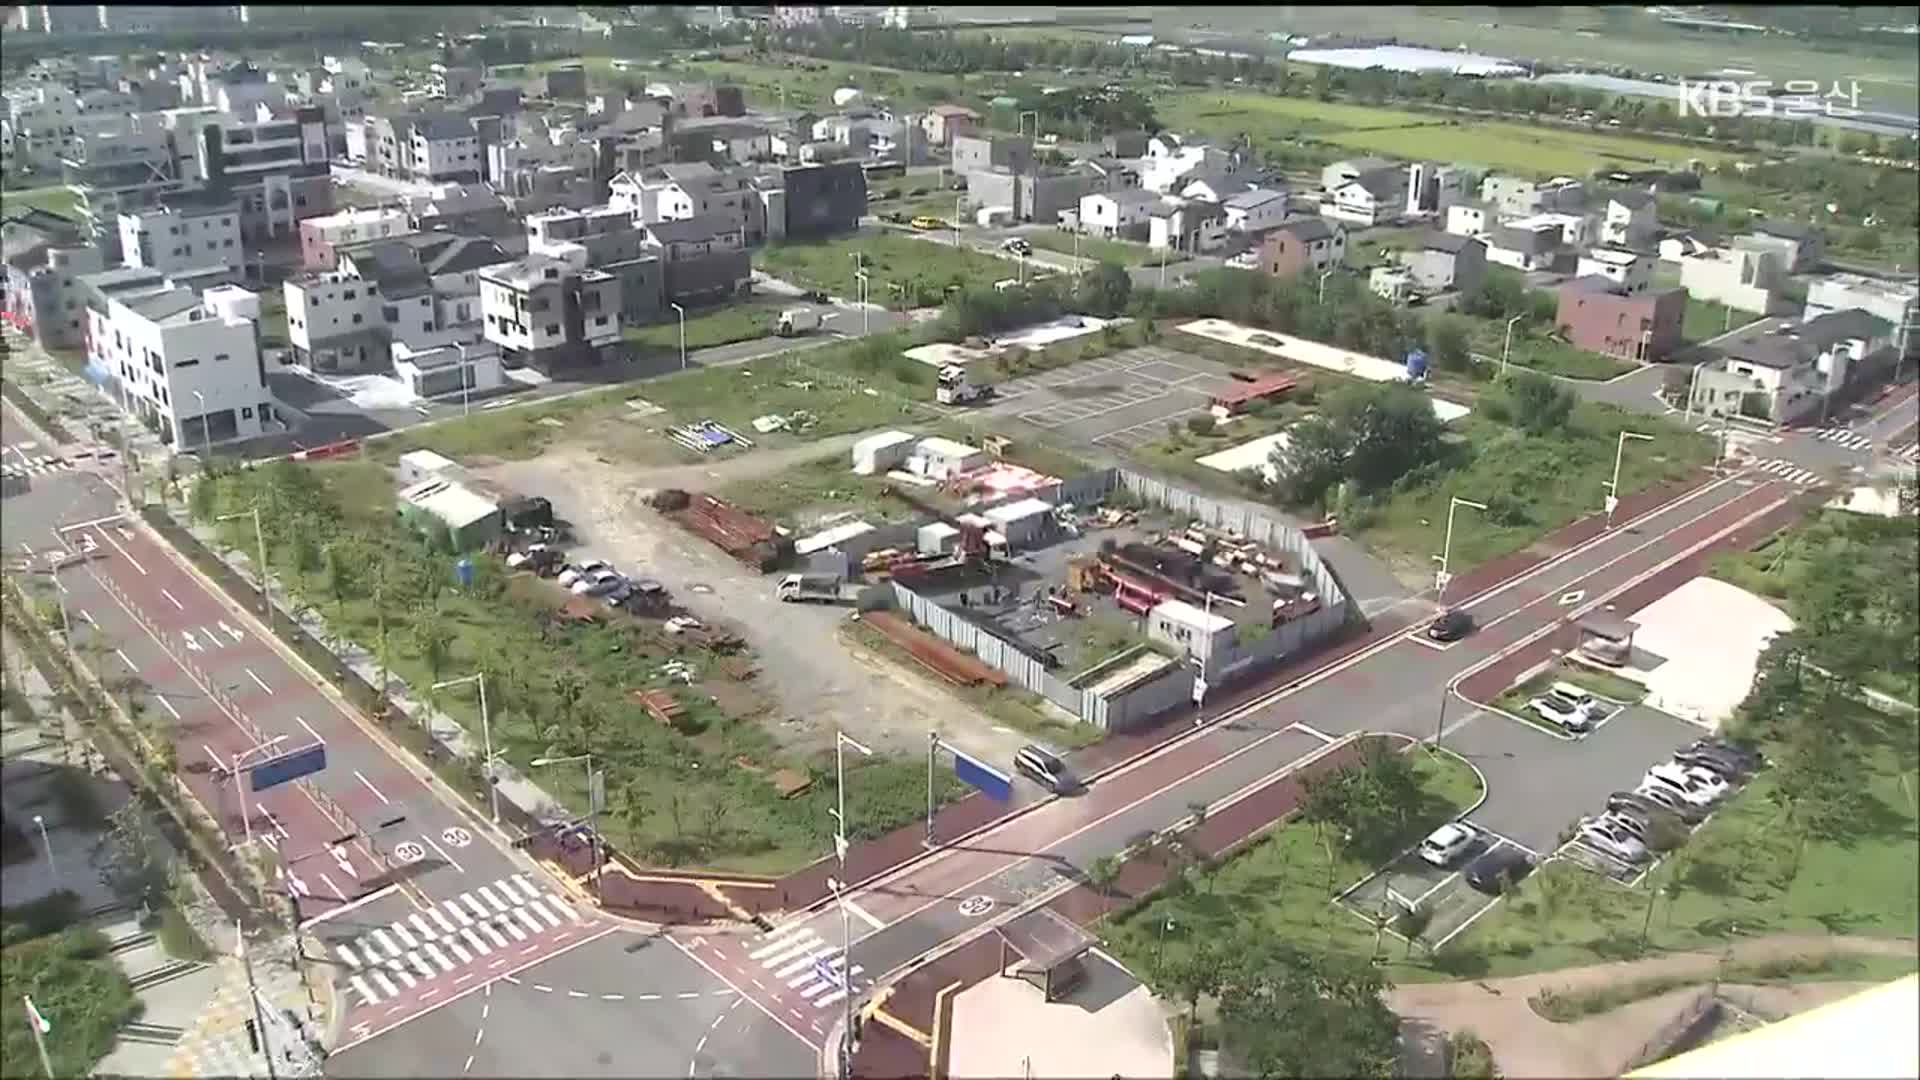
1394,685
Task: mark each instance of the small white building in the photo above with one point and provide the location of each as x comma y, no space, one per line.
1737,278
1896,302
1575,230
1023,523
881,453
1195,632
937,538
457,369
1122,214
182,236
1393,284
1630,270
1254,212
1630,220
1470,219
942,458
416,466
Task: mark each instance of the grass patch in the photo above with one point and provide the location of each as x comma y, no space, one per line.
1019,709
57,198
1540,352
1513,147
1599,683
178,937
1573,1005
1705,320
709,327
904,271
1099,249
74,983
814,489
1533,484
695,795
1742,874
1284,884
1469,1057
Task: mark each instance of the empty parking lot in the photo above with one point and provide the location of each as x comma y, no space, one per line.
1122,401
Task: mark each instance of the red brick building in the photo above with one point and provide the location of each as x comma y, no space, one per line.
1303,244
1596,316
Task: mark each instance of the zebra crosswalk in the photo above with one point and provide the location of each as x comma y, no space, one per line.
390,959
1843,437
804,962
18,466
1785,470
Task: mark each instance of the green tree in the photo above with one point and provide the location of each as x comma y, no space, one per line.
1290,1012
203,500
433,640
1190,973
1539,405
1101,874
1448,340
1104,290
131,861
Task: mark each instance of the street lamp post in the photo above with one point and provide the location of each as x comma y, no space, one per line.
682,312
260,538
840,742
1441,579
1613,485
1692,384
47,843
593,810
240,795
1163,263
1320,294
957,201
1076,251
486,735
1506,346
206,433
846,977
866,290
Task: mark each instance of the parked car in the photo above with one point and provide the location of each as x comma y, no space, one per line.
1047,769
1495,870
598,583
577,571
1626,802
525,557
1446,844
1681,775
1017,245
1452,625
925,222
1684,790
1595,709
618,596
1560,712
1610,839
1752,759
1732,762
1668,799
1633,825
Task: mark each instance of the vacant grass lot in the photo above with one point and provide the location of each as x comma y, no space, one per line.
1706,320
57,198
917,266
1285,884
1540,352
1519,148
1741,870
801,495
810,83
1534,484
707,327
1098,249
694,794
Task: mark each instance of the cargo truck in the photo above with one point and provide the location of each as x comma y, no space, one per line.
797,321
816,588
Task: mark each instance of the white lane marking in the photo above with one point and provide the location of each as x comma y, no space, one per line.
541,910
176,602
420,965
123,659
438,956
332,886
344,908
778,940
494,935
420,924
532,923
167,705
865,916
405,937
525,887
613,997
125,555
473,905
564,906
486,891
647,997
543,988
347,955
316,735
443,853
1315,732
816,987
686,996
575,994
273,821
829,999
793,949
264,688
517,933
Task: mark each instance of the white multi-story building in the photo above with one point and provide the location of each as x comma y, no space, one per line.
187,364
1896,302
1118,213
1575,230
446,149
1631,271
1631,220
48,119
420,290
1739,279
550,313
183,234
320,237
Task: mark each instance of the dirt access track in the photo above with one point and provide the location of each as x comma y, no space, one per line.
818,682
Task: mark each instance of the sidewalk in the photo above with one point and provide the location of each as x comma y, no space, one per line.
217,1044
90,416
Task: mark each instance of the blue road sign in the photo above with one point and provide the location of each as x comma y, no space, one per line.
288,766
997,785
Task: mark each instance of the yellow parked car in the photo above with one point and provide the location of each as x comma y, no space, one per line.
925,222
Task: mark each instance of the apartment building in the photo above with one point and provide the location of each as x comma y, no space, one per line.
1529,246
187,364
1599,314
1896,302
421,290
705,258
277,168
45,255
982,153
321,236
453,81
125,168
605,238
1798,247
445,149
1519,197
1188,225
942,122
45,120
549,314
186,231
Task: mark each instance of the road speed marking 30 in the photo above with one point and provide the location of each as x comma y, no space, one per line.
409,851
976,906
456,836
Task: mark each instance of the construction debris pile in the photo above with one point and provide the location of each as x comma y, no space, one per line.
740,534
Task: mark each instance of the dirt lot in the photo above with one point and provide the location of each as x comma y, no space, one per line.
818,684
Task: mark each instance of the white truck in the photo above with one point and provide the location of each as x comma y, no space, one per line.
954,388
797,321
817,588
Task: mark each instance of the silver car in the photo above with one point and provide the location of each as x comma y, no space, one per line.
1610,839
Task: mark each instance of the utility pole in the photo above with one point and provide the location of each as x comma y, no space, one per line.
253,993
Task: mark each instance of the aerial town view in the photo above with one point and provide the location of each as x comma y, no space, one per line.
960,542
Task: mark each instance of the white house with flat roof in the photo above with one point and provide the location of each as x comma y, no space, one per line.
186,364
